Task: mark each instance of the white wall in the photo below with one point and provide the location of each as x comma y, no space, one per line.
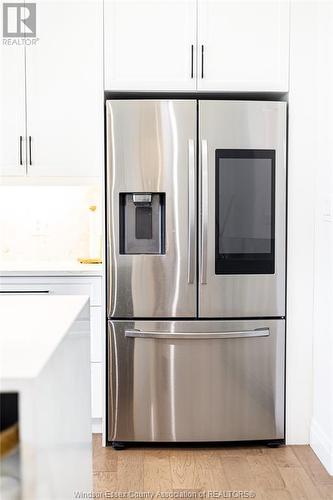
321,436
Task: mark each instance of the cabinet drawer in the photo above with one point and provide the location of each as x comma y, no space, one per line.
56,286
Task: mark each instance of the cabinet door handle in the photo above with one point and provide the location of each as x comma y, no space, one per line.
30,157
20,150
202,61
192,69
28,292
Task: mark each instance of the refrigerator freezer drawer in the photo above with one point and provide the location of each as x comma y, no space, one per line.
196,381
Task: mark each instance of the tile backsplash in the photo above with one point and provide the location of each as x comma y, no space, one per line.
46,223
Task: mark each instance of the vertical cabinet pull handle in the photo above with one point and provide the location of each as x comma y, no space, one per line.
30,157
192,69
204,210
202,61
191,212
20,152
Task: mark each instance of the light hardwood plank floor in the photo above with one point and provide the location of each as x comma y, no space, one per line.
285,473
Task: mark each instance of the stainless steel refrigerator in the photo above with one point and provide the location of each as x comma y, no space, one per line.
196,222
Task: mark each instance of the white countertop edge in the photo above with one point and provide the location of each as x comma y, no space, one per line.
56,267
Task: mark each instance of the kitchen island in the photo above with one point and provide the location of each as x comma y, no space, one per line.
45,359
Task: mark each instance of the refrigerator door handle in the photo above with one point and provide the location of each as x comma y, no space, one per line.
191,212
257,332
204,210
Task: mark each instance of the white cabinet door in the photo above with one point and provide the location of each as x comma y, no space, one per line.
243,45
64,73
96,390
96,321
12,110
150,45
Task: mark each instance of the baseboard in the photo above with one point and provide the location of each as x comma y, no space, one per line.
322,446
96,425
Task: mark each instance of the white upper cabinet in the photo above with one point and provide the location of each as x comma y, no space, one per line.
64,79
150,45
217,45
52,94
12,110
243,45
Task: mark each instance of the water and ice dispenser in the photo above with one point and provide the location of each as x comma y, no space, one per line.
142,223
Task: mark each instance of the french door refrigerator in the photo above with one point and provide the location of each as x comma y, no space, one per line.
196,209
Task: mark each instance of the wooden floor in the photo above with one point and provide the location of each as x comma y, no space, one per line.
289,472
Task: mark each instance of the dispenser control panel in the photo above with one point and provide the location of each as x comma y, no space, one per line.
142,223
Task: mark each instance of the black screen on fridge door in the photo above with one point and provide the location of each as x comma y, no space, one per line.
245,210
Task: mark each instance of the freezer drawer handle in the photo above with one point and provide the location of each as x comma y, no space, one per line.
258,332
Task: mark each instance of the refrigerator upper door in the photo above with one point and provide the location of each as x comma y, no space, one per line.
242,208
151,208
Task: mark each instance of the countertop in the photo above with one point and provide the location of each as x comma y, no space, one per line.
45,358
49,268
31,329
